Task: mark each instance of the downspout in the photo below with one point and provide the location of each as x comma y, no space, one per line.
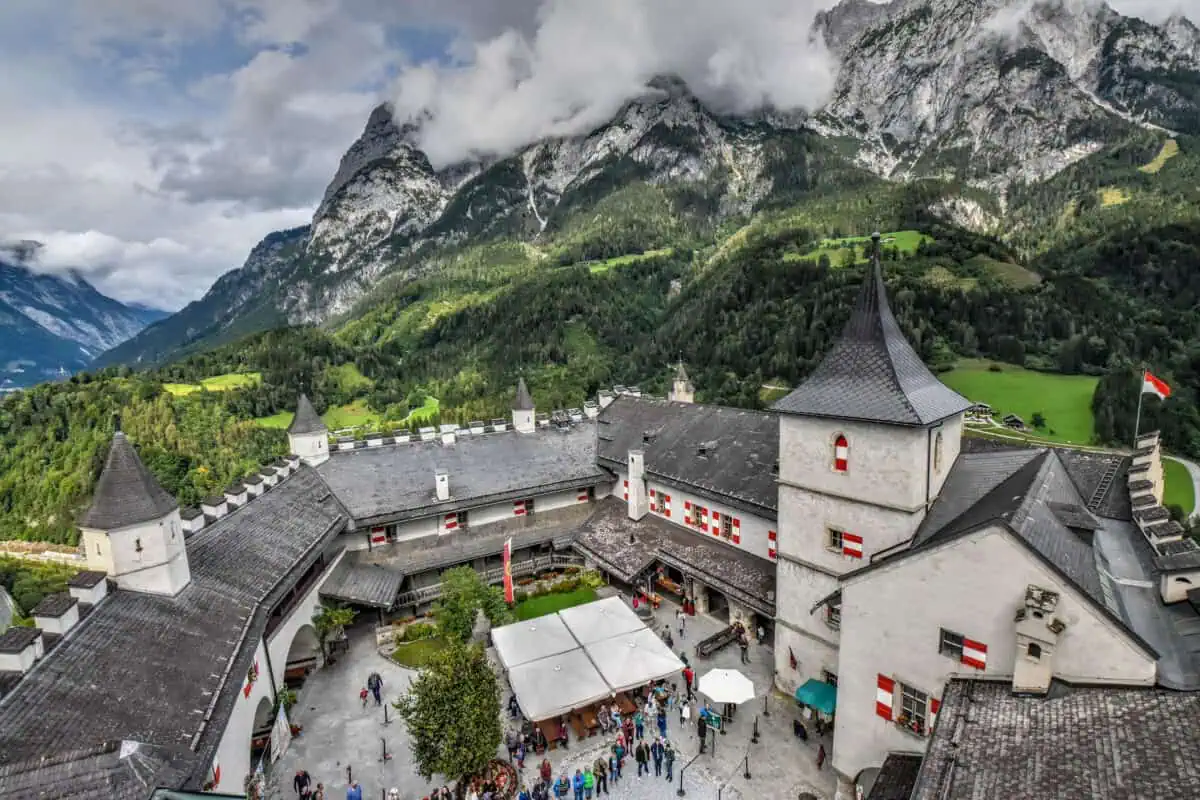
928,465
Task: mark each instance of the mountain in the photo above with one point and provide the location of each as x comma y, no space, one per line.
971,102
51,324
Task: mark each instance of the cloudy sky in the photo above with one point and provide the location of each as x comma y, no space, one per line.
152,143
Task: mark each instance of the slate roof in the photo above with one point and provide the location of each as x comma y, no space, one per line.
896,777
606,536
872,373
161,661
1183,554
190,513
523,401
1074,516
387,484
54,605
126,493
110,771
306,420
1141,486
86,579
741,448
17,638
1100,743
363,584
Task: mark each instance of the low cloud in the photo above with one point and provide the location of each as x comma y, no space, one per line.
581,60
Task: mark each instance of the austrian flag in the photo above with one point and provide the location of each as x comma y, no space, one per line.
1154,385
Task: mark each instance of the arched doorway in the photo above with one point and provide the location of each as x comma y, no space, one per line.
303,657
260,737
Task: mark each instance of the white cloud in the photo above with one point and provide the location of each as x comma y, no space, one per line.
582,59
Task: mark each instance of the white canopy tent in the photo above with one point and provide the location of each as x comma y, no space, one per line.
522,642
555,685
602,619
633,659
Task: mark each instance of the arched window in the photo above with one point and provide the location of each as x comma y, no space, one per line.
841,454
1183,580
937,452
1034,651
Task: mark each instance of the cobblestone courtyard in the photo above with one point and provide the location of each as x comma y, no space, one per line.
339,733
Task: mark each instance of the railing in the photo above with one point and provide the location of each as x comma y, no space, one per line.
493,575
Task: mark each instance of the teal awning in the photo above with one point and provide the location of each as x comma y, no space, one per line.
820,695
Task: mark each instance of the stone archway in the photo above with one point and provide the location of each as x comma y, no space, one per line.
304,655
260,734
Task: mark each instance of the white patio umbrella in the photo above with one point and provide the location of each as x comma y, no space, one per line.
726,686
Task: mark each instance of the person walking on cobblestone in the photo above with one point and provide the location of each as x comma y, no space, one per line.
701,730
681,617
656,753
669,757
589,782
375,684
601,773
614,767
642,755
577,784
685,711
639,724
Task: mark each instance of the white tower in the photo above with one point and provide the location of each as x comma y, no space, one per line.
132,530
865,443
523,410
307,436
682,390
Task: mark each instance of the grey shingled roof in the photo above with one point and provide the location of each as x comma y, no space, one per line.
523,400
17,638
363,584
606,538
110,771
306,420
386,484
86,579
896,777
153,664
741,448
1099,743
872,373
126,493
54,605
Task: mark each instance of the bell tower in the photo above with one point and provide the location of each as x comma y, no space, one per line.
865,443
682,390
307,436
523,411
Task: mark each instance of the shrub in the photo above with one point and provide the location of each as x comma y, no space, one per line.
571,571
592,579
524,581
418,630
995,368
520,596
568,585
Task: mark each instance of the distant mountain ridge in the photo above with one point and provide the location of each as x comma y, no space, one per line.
51,324
987,94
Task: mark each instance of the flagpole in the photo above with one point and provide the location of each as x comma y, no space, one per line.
1137,424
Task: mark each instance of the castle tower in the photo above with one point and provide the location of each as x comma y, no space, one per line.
307,436
132,530
682,390
523,410
865,444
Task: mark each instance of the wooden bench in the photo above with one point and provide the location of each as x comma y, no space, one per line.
549,729
625,705
577,725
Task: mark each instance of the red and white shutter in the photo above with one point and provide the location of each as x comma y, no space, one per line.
974,654
687,512
582,496
772,544
653,501
841,454
379,535
852,545
666,501
934,705
451,522
626,490
716,523
737,531
518,508
884,693
704,519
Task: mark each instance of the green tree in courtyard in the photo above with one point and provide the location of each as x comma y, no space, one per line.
463,594
328,621
452,711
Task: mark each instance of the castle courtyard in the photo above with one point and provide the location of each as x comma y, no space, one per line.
339,733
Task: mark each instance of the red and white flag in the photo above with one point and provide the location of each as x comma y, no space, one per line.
1155,385
508,581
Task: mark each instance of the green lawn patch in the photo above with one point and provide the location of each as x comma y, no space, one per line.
217,383
835,249
424,414
620,261
348,378
943,278
549,603
351,415
1177,486
415,655
1013,274
282,420
1170,149
1113,196
1064,400
769,393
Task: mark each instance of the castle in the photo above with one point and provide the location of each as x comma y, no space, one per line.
955,593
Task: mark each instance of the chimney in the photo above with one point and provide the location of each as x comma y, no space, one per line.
449,433
605,398
192,518
523,411
215,506
20,647
57,613
88,587
639,502
441,482
1037,631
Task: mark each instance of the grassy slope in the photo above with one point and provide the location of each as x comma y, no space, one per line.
1064,400
357,414
217,383
1177,488
905,241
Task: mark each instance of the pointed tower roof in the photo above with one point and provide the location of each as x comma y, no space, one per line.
523,401
872,373
306,419
681,374
126,493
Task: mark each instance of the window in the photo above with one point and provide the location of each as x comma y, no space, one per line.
1034,651
833,616
937,452
1183,580
833,539
462,516
137,545
727,527
841,454
914,707
951,644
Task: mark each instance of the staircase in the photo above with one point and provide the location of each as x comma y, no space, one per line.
1106,482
